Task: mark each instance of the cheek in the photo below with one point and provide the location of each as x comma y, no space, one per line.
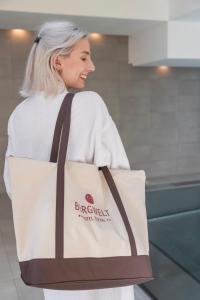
66,74
70,71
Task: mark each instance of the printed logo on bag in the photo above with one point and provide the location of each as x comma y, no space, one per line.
91,212
89,198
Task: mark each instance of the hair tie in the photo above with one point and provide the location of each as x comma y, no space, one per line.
37,39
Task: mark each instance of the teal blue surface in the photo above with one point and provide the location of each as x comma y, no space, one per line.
174,233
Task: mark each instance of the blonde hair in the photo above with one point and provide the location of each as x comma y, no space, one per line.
53,38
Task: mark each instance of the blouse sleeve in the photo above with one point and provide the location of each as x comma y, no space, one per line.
9,152
109,149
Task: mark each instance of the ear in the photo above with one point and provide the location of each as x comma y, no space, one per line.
57,62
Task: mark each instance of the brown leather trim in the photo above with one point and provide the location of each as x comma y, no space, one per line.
60,143
88,285
86,273
58,128
59,232
120,206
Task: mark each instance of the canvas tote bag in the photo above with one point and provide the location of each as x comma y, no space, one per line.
78,226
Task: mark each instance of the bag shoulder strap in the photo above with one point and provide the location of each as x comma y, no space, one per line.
64,112
58,154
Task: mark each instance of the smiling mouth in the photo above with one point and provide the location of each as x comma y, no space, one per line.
83,77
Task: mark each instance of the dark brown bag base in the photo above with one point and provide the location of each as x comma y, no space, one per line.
86,273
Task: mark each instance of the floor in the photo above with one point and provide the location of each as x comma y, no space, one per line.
174,222
11,285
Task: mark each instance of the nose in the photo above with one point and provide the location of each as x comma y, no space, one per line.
91,66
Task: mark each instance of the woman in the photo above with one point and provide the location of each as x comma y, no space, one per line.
60,58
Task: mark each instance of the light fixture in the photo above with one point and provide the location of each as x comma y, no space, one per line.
19,33
163,69
96,36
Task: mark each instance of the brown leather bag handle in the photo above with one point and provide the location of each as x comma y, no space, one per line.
65,111
58,154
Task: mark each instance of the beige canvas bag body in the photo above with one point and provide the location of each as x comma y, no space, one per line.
78,226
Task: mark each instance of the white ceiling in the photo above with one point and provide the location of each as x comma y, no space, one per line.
193,16
31,21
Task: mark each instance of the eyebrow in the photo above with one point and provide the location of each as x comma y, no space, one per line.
86,52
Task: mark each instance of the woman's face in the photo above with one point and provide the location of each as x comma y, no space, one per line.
75,68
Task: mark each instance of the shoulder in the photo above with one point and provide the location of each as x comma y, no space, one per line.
92,107
17,111
29,106
91,100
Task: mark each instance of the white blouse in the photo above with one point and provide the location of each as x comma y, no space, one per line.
93,138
